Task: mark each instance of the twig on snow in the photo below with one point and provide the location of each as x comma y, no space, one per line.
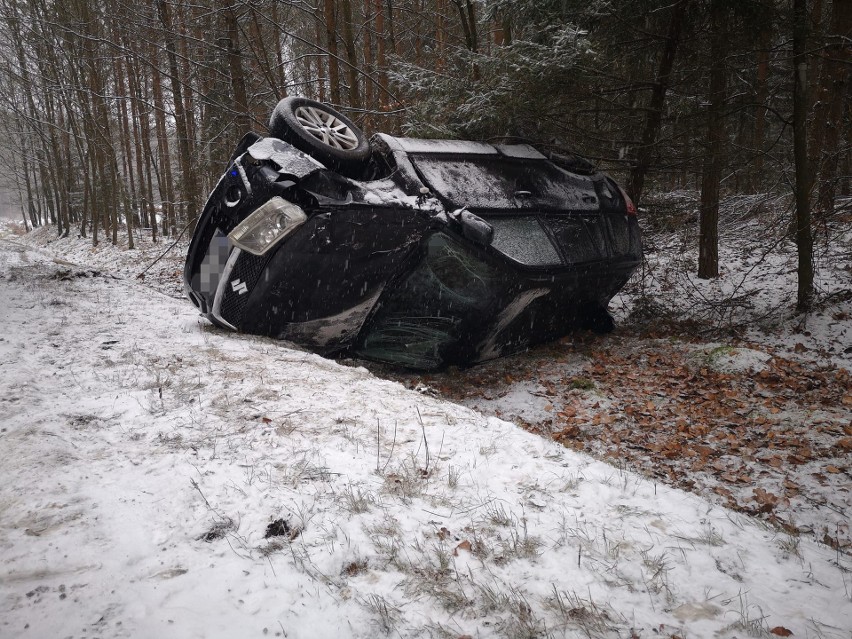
163,254
425,441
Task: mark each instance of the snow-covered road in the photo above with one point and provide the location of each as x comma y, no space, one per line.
144,455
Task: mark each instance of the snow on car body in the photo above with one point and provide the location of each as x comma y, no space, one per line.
420,253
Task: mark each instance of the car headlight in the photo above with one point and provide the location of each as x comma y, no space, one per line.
264,228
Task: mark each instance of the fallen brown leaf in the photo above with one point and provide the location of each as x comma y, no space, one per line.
775,461
765,498
845,443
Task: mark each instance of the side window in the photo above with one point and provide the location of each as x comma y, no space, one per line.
581,239
524,240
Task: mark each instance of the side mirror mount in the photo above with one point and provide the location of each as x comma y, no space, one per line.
474,227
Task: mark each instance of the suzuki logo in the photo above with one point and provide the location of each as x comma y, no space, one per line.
239,287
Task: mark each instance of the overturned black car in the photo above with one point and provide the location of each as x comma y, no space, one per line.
419,253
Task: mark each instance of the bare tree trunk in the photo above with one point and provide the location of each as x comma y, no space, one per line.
188,179
26,170
418,34
126,129
836,78
87,190
95,194
381,60
330,16
708,242
320,79
390,26
97,111
27,224
762,94
440,33
467,18
44,191
166,186
844,185
279,57
814,42
654,115
804,239
351,55
235,67
369,102
186,73
56,177
142,137
32,114
262,65
67,164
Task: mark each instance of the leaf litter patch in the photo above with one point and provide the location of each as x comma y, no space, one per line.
772,439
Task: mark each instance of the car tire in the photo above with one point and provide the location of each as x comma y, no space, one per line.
322,132
598,320
242,146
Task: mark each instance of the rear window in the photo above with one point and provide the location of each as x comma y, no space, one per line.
503,183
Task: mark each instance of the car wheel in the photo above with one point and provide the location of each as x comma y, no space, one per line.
598,320
242,146
320,131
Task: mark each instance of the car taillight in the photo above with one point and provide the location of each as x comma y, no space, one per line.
631,207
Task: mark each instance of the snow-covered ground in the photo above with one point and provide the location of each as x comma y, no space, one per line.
162,478
755,296
718,386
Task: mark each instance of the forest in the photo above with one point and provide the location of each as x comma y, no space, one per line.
687,474
120,116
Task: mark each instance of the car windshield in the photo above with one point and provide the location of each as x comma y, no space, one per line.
488,182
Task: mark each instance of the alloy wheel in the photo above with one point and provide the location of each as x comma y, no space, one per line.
326,128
